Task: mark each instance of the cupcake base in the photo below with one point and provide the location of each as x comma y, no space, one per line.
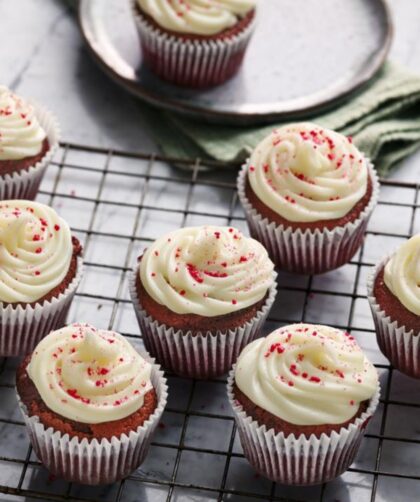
192,62
97,461
308,251
298,460
398,343
200,355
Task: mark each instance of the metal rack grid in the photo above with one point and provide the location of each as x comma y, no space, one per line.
117,202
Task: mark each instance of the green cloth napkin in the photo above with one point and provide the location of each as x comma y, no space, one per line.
383,118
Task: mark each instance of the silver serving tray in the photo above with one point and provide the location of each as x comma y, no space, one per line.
305,56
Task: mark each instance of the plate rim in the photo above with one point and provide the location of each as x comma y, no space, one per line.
240,117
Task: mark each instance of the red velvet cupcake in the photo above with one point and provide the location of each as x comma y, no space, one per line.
41,267
91,404
200,295
394,298
308,194
193,44
29,137
302,398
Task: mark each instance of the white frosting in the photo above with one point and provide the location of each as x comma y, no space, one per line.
208,271
196,17
306,375
306,173
35,250
402,274
21,135
89,375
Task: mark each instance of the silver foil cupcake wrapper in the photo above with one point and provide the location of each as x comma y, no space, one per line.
399,345
22,327
191,63
96,462
24,184
202,355
308,252
298,460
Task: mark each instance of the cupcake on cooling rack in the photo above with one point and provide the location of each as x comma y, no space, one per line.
308,194
394,298
91,403
40,270
200,295
28,140
194,43
302,398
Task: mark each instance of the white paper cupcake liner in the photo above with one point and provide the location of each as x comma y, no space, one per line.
24,184
202,355
94,462
399,345
191,63
295,460
308,252
22,328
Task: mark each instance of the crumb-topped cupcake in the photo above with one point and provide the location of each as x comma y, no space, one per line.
194,43
91,403
40,270
28,140
302,398
308,193
394,298
200,295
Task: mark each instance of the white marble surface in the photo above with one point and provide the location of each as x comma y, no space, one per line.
44,57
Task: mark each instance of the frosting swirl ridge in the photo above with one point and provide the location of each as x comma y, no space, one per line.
402,274
89,375
196,17
35,250
21,134
306,173
306,374
207,270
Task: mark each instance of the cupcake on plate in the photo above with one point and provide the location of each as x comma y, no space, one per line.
394,298
91,403
194,43
200,295
302,398
29,137
40,270
308,194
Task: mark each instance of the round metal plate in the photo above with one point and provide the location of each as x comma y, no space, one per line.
304,56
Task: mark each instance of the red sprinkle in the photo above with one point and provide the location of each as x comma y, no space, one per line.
315,379
56,228
38,250
194,273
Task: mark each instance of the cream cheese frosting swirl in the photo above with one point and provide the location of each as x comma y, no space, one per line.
89,375
21,135
35,250
306,375
207,270
196,17
306,173
402,274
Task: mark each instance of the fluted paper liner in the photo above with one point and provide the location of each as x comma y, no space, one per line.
24,184
96,462
202,355
295,460
308,252
400,345
192,63
23,327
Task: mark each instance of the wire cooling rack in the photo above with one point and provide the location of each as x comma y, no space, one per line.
117,202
